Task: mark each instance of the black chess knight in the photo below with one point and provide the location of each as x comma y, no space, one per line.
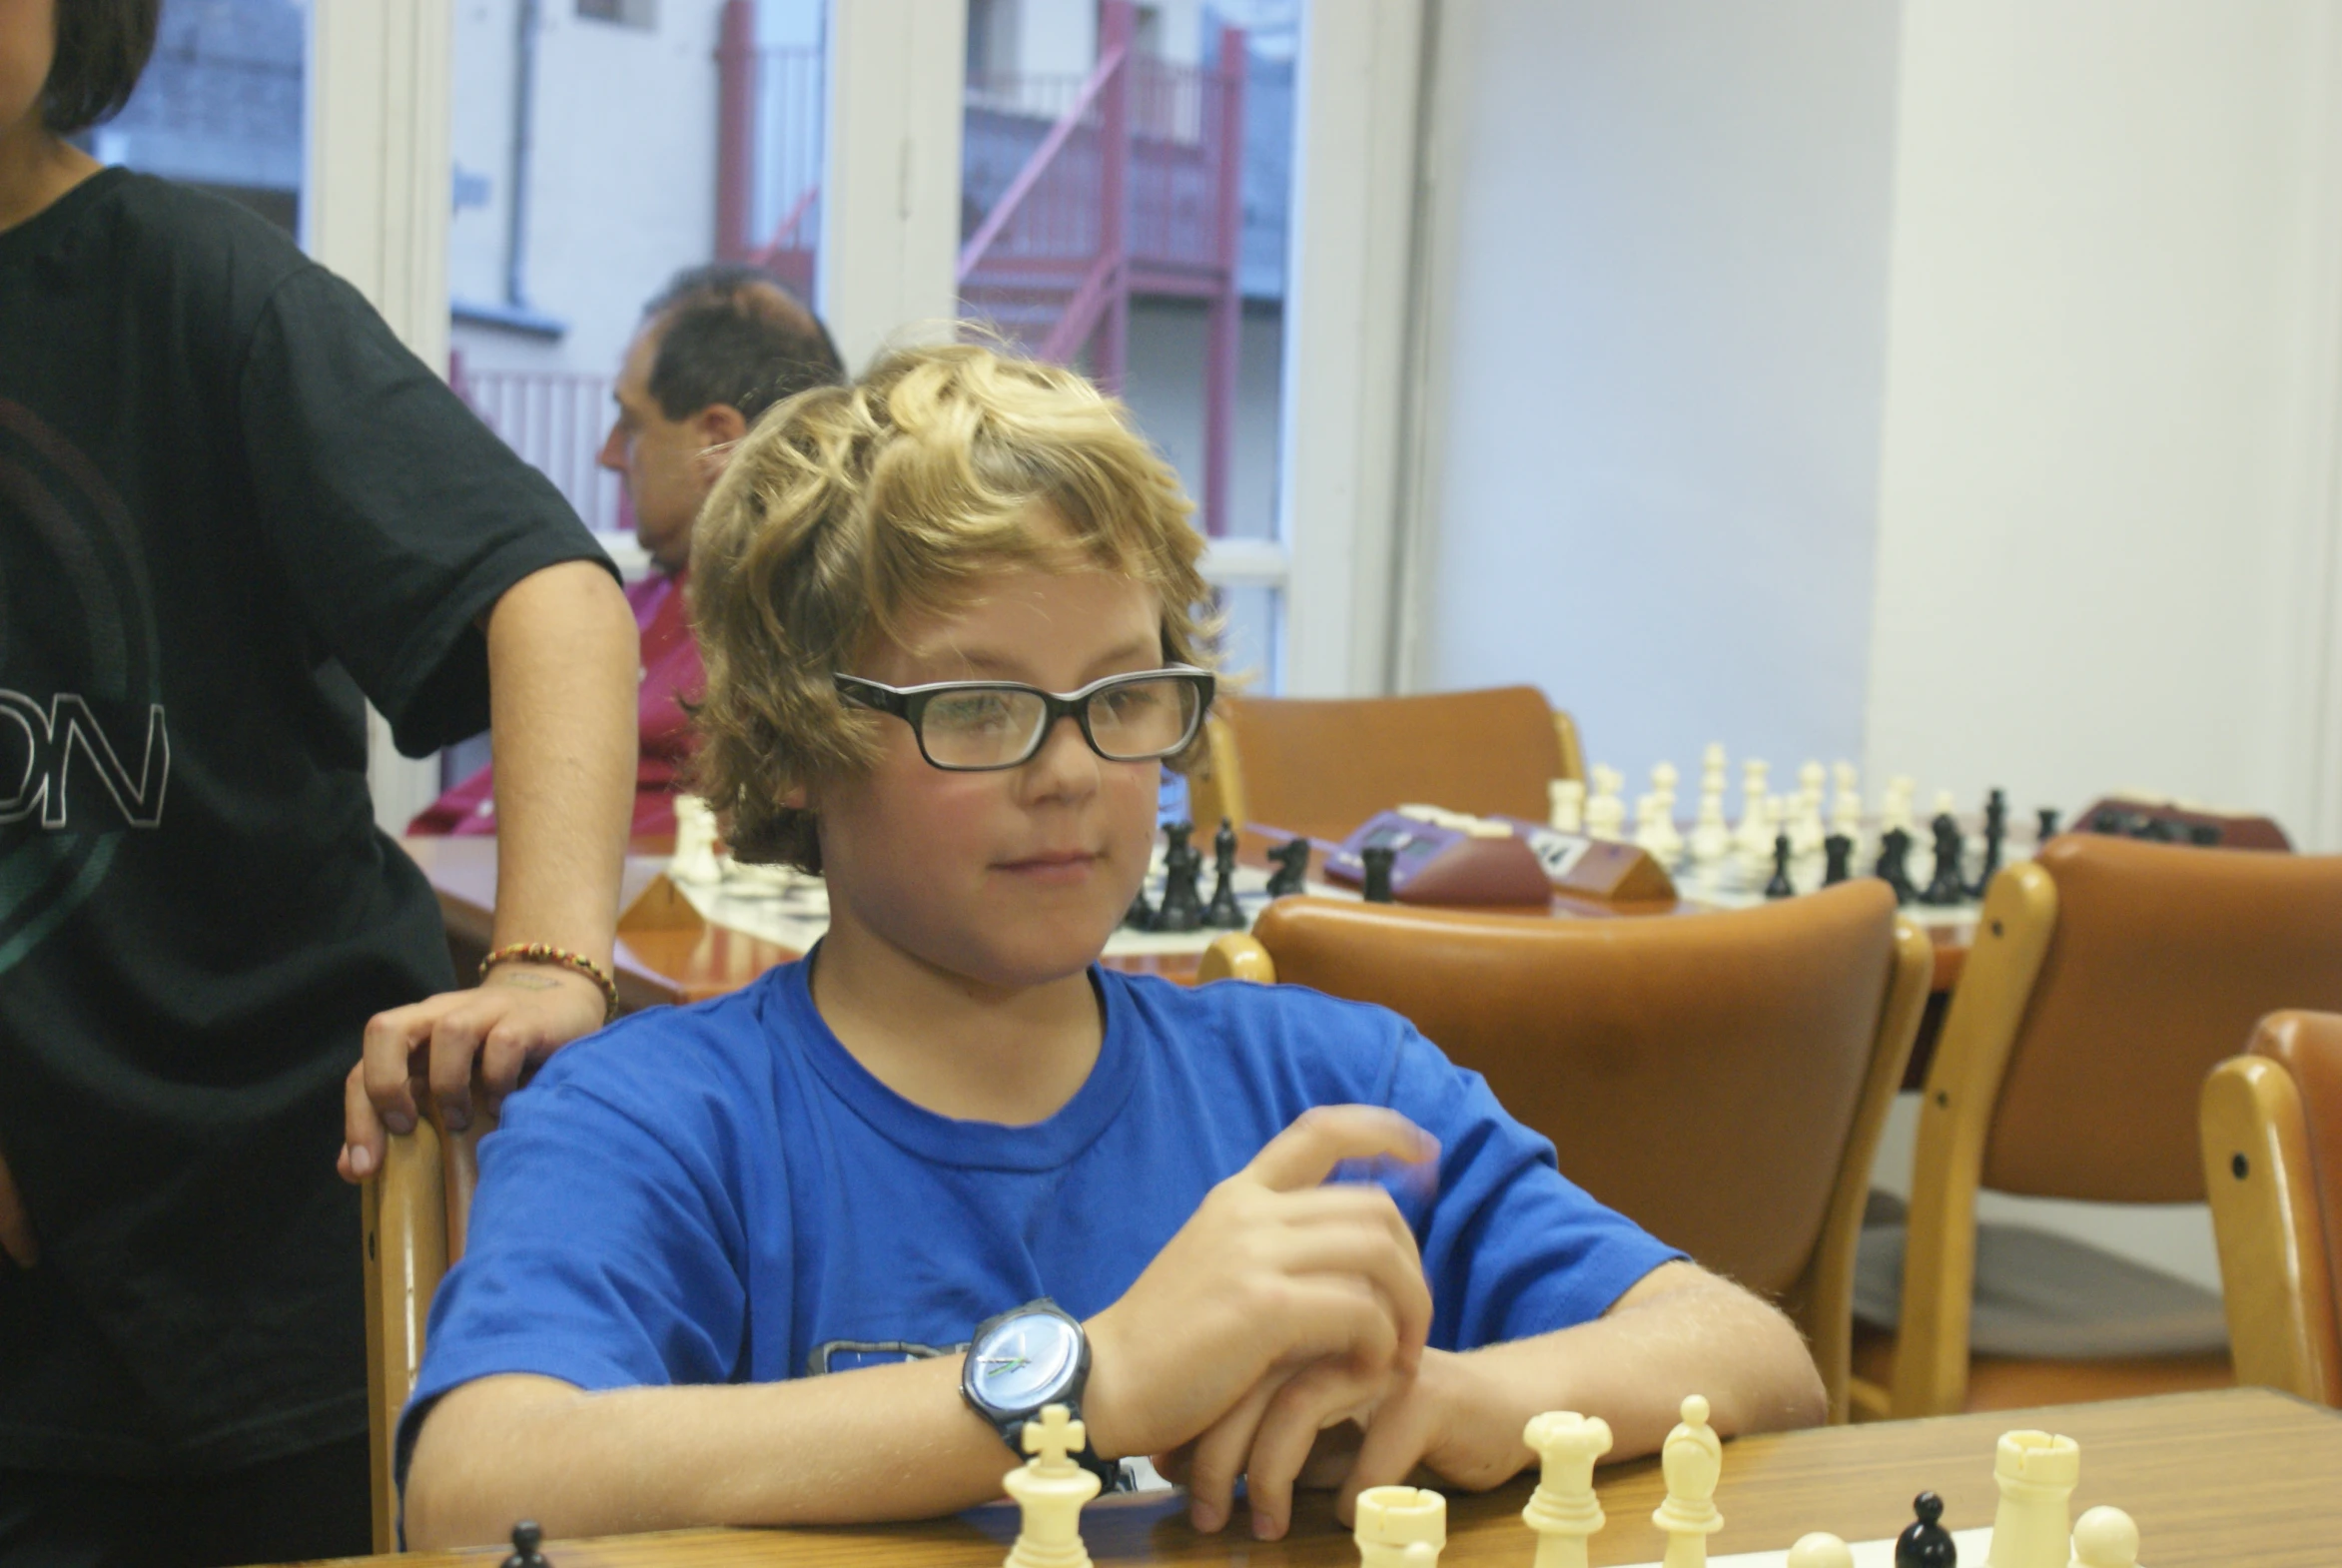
1292,868
1894,863
1945,886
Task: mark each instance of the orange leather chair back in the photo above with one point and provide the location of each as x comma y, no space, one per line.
2161,958
1700,1073
1321,767
2308,1046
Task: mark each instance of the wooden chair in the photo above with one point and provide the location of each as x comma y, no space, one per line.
2272,1150
1721,1079
415,1210
1321,767
2107,978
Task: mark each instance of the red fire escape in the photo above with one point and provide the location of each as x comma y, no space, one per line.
1079,196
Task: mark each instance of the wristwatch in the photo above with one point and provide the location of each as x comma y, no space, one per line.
1026,1358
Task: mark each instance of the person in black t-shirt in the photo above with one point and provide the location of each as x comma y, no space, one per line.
230,504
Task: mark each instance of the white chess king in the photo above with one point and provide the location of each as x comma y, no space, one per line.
1049,1490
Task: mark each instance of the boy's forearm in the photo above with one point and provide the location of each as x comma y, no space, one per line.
1681,1331
888,1442
562,661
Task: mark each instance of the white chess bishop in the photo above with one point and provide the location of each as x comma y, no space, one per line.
1755,836
1692,1460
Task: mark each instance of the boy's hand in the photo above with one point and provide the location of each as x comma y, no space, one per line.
509,1024
1273,1271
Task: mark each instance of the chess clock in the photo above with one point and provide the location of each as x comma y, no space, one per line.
1443,858
2171,822
1026,1358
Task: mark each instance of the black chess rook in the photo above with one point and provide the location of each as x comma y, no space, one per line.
1377,859
1838,859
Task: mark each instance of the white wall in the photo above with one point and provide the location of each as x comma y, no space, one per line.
1663,272
2107,518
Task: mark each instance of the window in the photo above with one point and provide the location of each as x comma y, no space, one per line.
627,13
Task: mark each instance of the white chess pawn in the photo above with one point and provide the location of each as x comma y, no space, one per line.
1655,828
1605,810
1845,807
1806,831
2104,1538
1565,805
1757,832
1756,828
694,860
1947,803
1712,767
1692,1460
1894,809
1400,1527
2036,1473
1563,1510
1711,839
1050,1490
1664,777
1820,1550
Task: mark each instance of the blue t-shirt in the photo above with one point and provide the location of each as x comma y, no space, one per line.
721,1194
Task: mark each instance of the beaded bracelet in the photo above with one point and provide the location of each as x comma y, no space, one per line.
545,953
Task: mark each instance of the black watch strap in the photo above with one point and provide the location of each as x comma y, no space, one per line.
1111,1472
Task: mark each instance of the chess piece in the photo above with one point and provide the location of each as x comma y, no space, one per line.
1692,1460
1605,810
1710,839
1565,805
1820,1550
1838,859
1755,835
1655,826
1712,768
1224,912
1049,1490
527,1536
1780,886
1563,1510
1140,914
1400,1527
1896,806
1846,808
1182,904
1895,864
2036,1473
1377,859
2047,829
1925,1543
1995,837
2104,1538
1804,827
1293,867
1945,885
694,860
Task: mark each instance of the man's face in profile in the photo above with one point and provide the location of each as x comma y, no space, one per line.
668,466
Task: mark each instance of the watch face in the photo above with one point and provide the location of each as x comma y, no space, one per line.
1026,1362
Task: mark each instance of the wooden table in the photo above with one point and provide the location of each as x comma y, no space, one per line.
2243,1478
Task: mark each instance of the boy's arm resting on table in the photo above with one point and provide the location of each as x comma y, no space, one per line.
562,655
1273,1270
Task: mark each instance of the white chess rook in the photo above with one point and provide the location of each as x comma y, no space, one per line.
2036,1473
1049,1490
1563,1510
1692,1460
1400,1527
1565,805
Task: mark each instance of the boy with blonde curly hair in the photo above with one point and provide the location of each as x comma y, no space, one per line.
810,1252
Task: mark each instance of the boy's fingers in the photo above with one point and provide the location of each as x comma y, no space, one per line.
1217,1458
363,1137
1306,1153
455,1044
1319,1396
1394,1446
1370,1255
386,1062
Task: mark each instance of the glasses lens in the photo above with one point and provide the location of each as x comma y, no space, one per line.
981,727
1137,719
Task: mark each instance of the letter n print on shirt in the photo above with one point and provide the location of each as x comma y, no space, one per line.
53,737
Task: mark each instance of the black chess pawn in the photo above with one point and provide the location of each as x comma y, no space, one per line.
1945,886
1224,912
1837,859
1925,1543
1780,886
2048,826
1182,908
1894,866
1141,914
1995,834
526,1537
1292,868
1377,859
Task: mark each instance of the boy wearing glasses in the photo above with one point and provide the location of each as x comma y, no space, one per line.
812,1252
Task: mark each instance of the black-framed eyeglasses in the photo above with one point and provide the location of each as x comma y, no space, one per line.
975,726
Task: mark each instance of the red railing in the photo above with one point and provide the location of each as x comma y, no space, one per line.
556,420
768,151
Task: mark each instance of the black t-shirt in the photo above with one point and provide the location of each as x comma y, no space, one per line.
230,503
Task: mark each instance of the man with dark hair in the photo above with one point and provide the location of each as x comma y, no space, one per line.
718,345
232,505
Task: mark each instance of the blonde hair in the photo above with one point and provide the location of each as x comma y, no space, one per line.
848,509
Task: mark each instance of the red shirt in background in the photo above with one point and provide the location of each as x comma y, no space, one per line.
670,670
